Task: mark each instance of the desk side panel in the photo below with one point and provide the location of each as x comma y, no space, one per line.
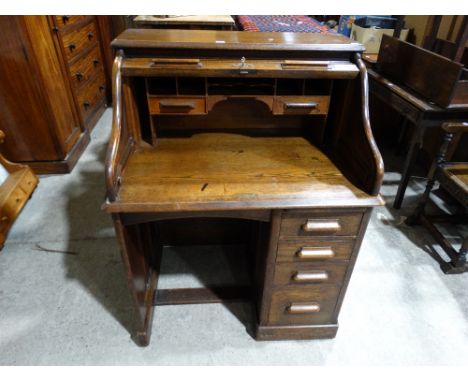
351,142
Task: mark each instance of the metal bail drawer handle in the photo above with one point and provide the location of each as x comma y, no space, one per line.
186,105
303,308
321,226
315,253
300,105
176,61
310,276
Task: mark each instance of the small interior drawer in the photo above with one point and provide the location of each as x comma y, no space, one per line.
306,305
78,40
314,249
300,223
82,70
301,105
177,105
294,274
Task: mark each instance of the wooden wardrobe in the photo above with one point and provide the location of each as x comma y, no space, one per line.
52,88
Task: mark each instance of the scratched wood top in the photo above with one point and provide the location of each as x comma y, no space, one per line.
229,171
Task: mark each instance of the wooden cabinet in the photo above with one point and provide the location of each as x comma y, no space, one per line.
267,146
81,46
43,108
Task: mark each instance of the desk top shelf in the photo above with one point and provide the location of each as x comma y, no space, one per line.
233,171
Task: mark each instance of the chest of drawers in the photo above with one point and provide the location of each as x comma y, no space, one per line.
79,40
52,88
227,137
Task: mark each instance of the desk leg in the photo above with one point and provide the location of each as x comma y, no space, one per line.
416,142
141,255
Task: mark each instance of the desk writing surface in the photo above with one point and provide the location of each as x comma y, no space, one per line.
213,171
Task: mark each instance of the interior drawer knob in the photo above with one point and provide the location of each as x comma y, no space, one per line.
303,308
315,253
72,47
65,19
95,62
310,276
79,76
321,226
90,35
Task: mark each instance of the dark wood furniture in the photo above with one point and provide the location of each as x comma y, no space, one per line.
454,50
453,177
257,139
15,191
210,22
52,88
425,88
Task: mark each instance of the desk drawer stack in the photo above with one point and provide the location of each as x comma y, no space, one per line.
313,262
80,42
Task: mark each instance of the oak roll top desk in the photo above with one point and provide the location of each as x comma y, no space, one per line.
256,139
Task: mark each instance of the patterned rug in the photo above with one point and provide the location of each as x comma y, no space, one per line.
272,23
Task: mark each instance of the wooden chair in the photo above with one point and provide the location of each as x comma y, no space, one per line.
453,177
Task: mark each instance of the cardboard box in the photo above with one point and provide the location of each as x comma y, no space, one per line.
346,23
369,31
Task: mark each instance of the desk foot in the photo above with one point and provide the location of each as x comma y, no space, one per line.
450,269
142,338
299,332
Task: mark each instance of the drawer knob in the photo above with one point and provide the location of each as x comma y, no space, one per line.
86,105
313,225
95,62
90,35
101,88
310,276
65,19
72,47
303,308
79,76
315,253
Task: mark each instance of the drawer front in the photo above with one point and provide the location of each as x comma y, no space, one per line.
312,224
13,204
87,67
78,40
66,21
303,305
301,105
293,274
92,95
314,249
177,105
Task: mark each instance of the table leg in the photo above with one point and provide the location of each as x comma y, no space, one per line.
141,255
416,141
403,129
